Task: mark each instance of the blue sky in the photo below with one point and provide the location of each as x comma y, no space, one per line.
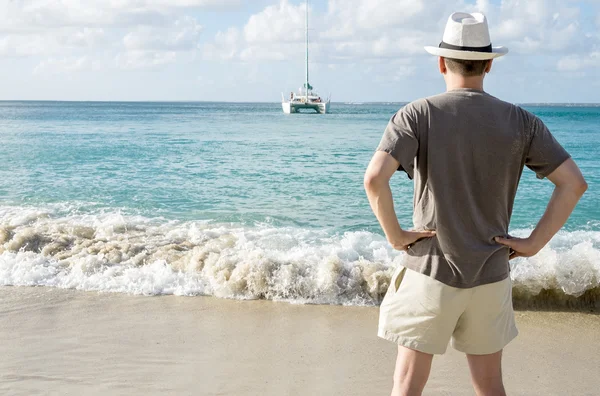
235,50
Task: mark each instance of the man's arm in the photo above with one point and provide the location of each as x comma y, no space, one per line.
570,186
377,185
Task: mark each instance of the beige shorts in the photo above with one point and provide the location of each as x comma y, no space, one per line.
421,313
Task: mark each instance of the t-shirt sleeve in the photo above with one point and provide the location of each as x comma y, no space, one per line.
545,154
400,140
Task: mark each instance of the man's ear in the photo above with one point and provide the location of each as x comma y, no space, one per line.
489,66
442,65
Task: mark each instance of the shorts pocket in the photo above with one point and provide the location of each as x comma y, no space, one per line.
398,277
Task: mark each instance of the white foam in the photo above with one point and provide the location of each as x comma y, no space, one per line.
570,262
112,252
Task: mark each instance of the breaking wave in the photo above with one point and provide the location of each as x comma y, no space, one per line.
112,252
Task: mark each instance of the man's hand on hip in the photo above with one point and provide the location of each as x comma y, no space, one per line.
408,238
570,186
519,247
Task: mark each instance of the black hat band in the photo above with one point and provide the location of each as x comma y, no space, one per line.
487,48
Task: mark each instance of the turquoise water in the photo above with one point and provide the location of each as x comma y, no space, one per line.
236,184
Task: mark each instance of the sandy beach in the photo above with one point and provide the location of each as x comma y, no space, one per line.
62,342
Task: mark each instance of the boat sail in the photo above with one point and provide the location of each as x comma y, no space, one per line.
307,98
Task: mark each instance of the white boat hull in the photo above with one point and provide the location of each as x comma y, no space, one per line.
295,107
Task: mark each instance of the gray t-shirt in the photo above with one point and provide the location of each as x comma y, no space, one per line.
466,151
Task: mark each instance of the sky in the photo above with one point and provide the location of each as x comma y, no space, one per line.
253,50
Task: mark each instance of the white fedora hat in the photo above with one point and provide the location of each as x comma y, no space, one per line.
467,37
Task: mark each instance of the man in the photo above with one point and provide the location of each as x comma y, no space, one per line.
466,151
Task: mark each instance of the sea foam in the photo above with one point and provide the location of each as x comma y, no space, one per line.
111,252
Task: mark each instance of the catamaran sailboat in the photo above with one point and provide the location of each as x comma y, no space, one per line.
307,98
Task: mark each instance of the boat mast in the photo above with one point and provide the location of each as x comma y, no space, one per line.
306,29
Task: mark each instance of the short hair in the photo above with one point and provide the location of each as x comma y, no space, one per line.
466,68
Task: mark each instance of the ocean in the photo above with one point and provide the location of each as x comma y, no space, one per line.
238,200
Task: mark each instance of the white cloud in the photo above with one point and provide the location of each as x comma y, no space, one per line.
17,45
270,35
140,59
151,47
66,65
225,45
77,28
347,17
258,53
174,3
574,63
182,36
86,37
152,32
57,41
349,30
369,19
535,26
35,14
394,71
378,29
282,22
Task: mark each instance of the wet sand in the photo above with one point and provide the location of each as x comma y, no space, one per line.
59,342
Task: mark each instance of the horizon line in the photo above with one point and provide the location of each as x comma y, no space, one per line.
346,102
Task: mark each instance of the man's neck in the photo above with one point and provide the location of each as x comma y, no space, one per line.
465,82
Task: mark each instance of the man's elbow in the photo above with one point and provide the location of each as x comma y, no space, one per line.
373,181
568,177
577,186
580,187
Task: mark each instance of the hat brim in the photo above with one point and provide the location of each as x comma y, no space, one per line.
467,55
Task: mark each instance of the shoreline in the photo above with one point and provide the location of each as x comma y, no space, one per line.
59,341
